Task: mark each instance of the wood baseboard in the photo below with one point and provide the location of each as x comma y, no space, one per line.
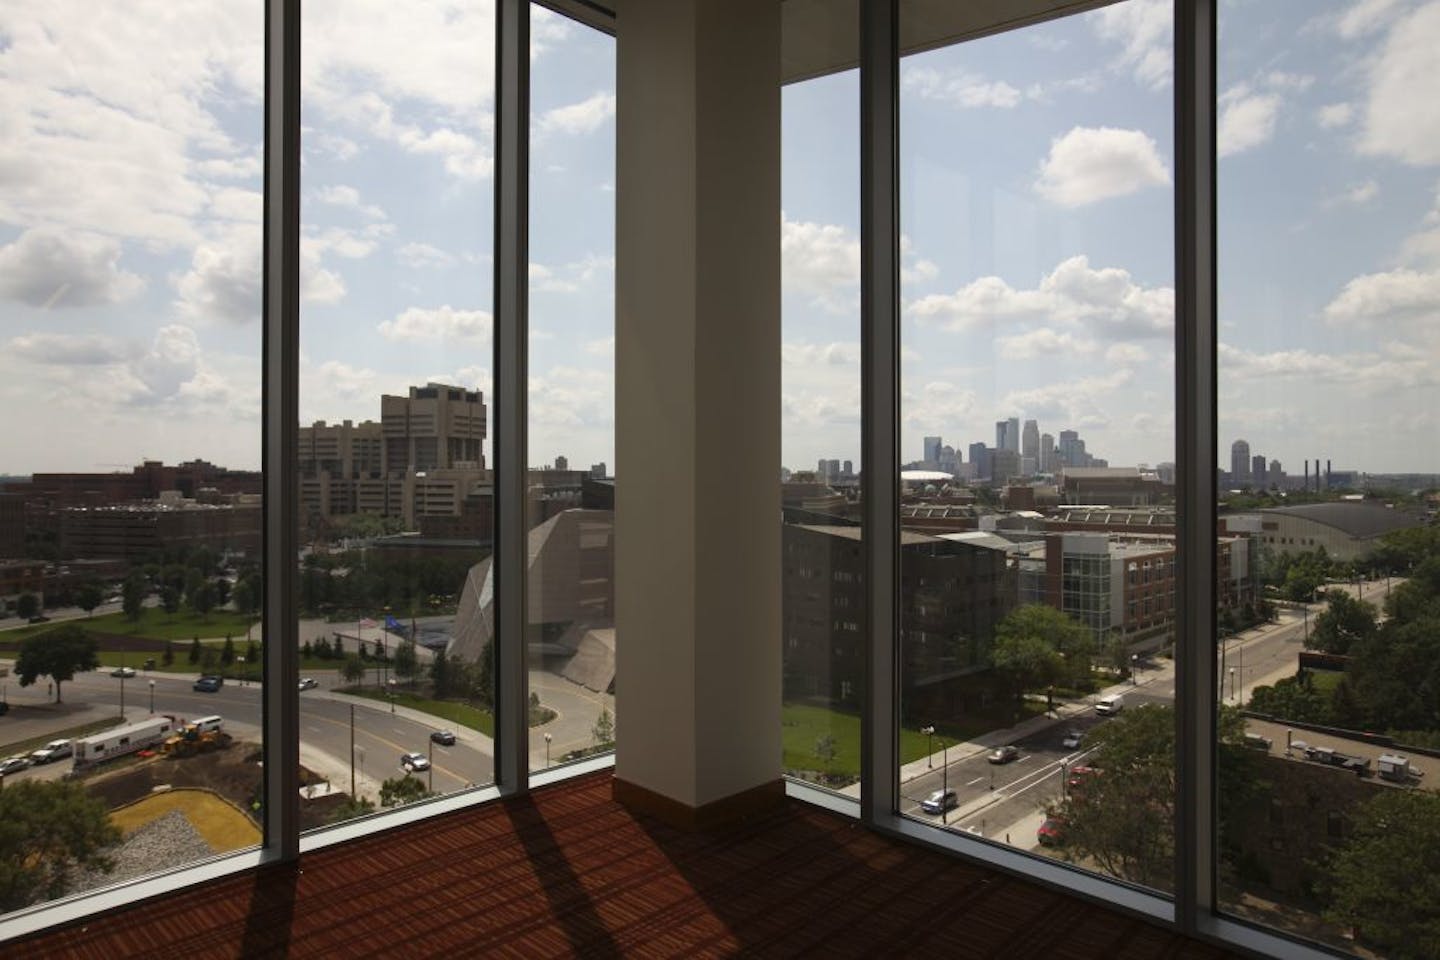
709,816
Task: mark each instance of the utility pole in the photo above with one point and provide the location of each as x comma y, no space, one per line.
352,752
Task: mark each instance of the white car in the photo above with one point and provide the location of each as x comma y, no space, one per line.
54,750
308,683
14,764
1072,740
414,762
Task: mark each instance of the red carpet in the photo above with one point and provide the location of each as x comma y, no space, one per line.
567,872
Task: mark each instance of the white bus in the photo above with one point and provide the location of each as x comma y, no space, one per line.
123,740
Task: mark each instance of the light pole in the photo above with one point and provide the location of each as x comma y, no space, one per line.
1232,683
430,770
1134,668
122,695
352,751
929,731
152,697
547,751
944,781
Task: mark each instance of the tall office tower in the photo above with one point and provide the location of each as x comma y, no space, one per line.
562,463
820,470
1240,463
437,427
847,469
1275,476
1001,428
1012,434
832,470
1047,453
1257,472
932,449
1072,449
1030,442
980,460
949,460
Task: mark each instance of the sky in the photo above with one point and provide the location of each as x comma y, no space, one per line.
1037,209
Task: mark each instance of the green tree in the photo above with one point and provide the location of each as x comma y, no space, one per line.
195,650
243,597
168,657
1385,879
169,600
252,652
227,652
47,829
401,790
825,750
406,664
58,654
89,596
202,599
1036,645
353,669
132,594
351,808
27,606
1292,698
441,676
604,729
1344,622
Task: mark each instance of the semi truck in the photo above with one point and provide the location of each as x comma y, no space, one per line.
122,740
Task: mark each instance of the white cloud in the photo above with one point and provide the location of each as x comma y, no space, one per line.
821,262
1043,342
587,116
1247,119
1077,402
1387,298
1106,301
47,268
958,88
65,350
1364,17
1143,28
1090,164
348,198
1334,115
1126,355
438,323
937,406
1292,82
1360,194
418,255
543,280
172,360
1401,120
1396,366
600,348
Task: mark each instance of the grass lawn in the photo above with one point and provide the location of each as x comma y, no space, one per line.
154,625
458,713
805,724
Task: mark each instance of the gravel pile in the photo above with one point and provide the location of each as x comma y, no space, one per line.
164,843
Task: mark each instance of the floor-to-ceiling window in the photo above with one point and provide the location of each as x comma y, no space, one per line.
130,515
1326,597
1037,497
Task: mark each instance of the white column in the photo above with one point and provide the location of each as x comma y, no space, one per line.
698,406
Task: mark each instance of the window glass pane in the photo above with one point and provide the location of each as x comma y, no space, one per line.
570,637
1037,512
823,612
130,488
396,498
1329,292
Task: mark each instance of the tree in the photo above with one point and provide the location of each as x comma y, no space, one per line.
825,750
227,652
58,654
604,729
132,594
353,669
252,652
1037,645
27,606
1384,880
169,600
441,676
406,665
202,599
89,596
352,807
195,650
168,657
48,828
1343,623
401,790
243,597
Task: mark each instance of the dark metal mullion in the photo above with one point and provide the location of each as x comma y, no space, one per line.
1195,371
280,705
880,404
511,365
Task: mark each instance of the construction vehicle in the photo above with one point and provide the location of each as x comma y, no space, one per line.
195,738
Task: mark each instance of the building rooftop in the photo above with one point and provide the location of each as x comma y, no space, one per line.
1362,521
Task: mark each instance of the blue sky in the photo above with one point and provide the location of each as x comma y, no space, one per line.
1036,193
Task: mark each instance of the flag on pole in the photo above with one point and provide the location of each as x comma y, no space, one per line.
393,625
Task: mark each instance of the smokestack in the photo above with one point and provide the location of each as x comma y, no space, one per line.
1307,474
1327,474
1317,474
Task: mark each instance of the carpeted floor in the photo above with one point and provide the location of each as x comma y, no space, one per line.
568,872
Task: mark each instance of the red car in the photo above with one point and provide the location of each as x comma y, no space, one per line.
1079,776
1051,832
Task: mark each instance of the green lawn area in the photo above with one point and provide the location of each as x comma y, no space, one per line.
804,725
154,624
457,713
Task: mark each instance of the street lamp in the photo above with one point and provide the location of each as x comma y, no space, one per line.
1134,668
1232,683
929,732
944,780
152,697
547,751
122,695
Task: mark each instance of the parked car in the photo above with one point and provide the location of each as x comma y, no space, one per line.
54,750
1051,832
940,801
1004,754
1079,776
414,762
308,683
1073,739
208,684
125,672
446,738
1111,705
14,764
